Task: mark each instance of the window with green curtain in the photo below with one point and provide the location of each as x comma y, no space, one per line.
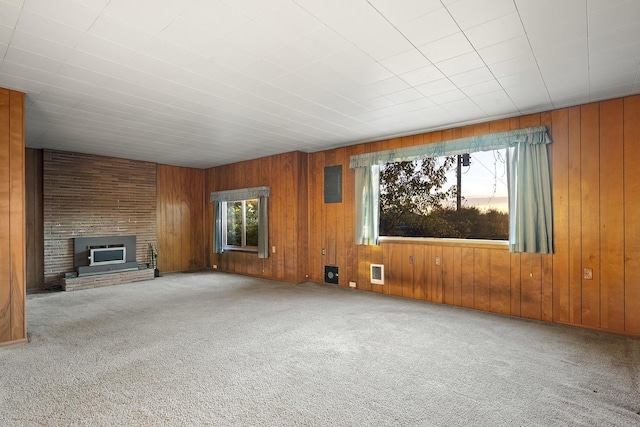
529,184
241,220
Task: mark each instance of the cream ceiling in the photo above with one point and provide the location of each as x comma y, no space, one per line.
208,82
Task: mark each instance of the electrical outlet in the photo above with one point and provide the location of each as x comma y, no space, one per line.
324,251
410,259
352,284
215,266
273,249
588,273
437,260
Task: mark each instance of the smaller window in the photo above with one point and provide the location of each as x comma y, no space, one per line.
241,225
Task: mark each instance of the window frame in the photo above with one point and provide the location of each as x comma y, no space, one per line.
448,240
243,247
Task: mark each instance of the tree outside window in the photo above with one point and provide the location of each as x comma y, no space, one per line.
446,197
241,224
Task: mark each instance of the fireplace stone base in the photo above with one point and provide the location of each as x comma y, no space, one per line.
107,279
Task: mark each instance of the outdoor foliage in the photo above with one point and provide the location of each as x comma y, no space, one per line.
414,201
235,223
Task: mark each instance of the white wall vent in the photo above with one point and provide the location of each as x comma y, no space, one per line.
377,274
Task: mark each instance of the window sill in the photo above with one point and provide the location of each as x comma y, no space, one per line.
237,249
433,241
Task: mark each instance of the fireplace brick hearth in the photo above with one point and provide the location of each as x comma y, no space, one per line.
109,279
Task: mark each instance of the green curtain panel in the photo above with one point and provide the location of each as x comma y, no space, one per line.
367,205
530,215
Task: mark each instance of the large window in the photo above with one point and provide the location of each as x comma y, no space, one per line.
458,196
241,225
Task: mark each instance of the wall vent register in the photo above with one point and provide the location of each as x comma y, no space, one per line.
377,274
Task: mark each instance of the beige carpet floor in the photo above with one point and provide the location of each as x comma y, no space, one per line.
210,348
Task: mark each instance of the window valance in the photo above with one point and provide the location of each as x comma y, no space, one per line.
240,194
494,141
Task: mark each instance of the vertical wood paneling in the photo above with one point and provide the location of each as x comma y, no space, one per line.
407,281
180,221
482,279
5,218
611,216
436,275
575,218
448,284
34,236
467,278
12,218
632,214
17,220
456,268
531,286
393,258
419,271
590,202
500,296
560,189
516,284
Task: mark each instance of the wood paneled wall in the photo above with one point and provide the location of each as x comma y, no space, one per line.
34,220
88,195
180,218
596,196
286,175
12,218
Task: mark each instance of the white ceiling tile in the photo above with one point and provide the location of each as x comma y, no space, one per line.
141,14
499,30
514,66
473,77
376,103
615,53
505,50
616,15
617,36
436,87
482,88
359,24
470,13
290,57
67,11
430,27
257,39
46,28
119,33
447,47
40,46
167,52
9,14
520,79
321,43
422,75
264,70
5,34
405,62
460,64
186,34
390,85
32,60
3,50
448,96
385,44
290,20
214,16
404,96
329,11
543,37
406,10
254,8
97,46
